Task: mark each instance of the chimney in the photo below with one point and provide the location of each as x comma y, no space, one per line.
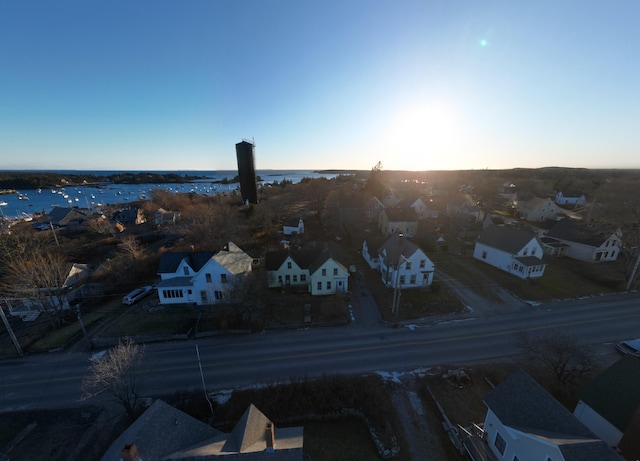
129,452
269,437
193,248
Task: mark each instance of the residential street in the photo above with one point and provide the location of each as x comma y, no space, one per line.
52,380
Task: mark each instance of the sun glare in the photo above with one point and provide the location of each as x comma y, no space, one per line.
422,128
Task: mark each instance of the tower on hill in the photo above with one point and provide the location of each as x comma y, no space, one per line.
247,171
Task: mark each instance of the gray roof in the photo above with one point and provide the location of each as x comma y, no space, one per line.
505,238
614,394
395,246
573,231
522,404
176,282
247,442
161,429
169,262
58,213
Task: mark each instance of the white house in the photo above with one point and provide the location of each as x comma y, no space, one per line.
403,264
586,242
398,220
539,209
163,217
525,423
609,403
294,229
313,270
203,278
574,199
515,251
420,207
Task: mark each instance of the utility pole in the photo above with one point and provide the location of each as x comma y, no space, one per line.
84,331
11,333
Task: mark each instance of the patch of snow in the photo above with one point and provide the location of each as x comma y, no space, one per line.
468,308
395,376
455,321
533,303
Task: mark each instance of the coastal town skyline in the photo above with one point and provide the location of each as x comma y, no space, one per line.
415,85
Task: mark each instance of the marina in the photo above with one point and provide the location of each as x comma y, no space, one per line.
22,203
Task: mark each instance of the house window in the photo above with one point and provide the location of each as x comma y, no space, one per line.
287,279
335,271
412,279
328,285
484,255
288,264
185,270
324,272
295,278
203,297
208,277
402,279
303,278
223,278
500,444
319,285
423,263
280,279
218,295
408,265
189,292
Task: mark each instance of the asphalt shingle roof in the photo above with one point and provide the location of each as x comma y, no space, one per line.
578,232
521,403
505,238
169,262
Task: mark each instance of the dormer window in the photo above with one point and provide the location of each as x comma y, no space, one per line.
185,269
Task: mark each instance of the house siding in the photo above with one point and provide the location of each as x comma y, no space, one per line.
506,261
329,283
606,431
284,276
519,444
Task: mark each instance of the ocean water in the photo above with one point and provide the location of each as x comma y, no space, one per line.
28,202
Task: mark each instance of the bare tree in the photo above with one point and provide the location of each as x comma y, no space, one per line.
101,225
117,374
131,247
562,356
40,276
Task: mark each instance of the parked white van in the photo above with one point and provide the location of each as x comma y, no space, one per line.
136,295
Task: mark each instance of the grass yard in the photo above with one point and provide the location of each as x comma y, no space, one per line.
415,302
138,321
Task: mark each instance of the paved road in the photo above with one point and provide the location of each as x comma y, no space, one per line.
54,379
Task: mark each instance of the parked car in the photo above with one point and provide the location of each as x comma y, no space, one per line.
630,347
136,295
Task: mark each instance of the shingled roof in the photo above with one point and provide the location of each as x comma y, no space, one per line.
397,245
505,238
573,231
521,403
169,262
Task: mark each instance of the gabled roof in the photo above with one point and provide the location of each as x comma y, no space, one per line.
407,202
303,258
58,213
522,404
249,432
160,430
615,393
401,214
580,232
169,262
505,238
396,246
77,273
127,215
247,441
233,259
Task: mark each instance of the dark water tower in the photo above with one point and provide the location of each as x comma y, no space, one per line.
247,171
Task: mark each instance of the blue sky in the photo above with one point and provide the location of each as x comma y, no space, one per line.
417,85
